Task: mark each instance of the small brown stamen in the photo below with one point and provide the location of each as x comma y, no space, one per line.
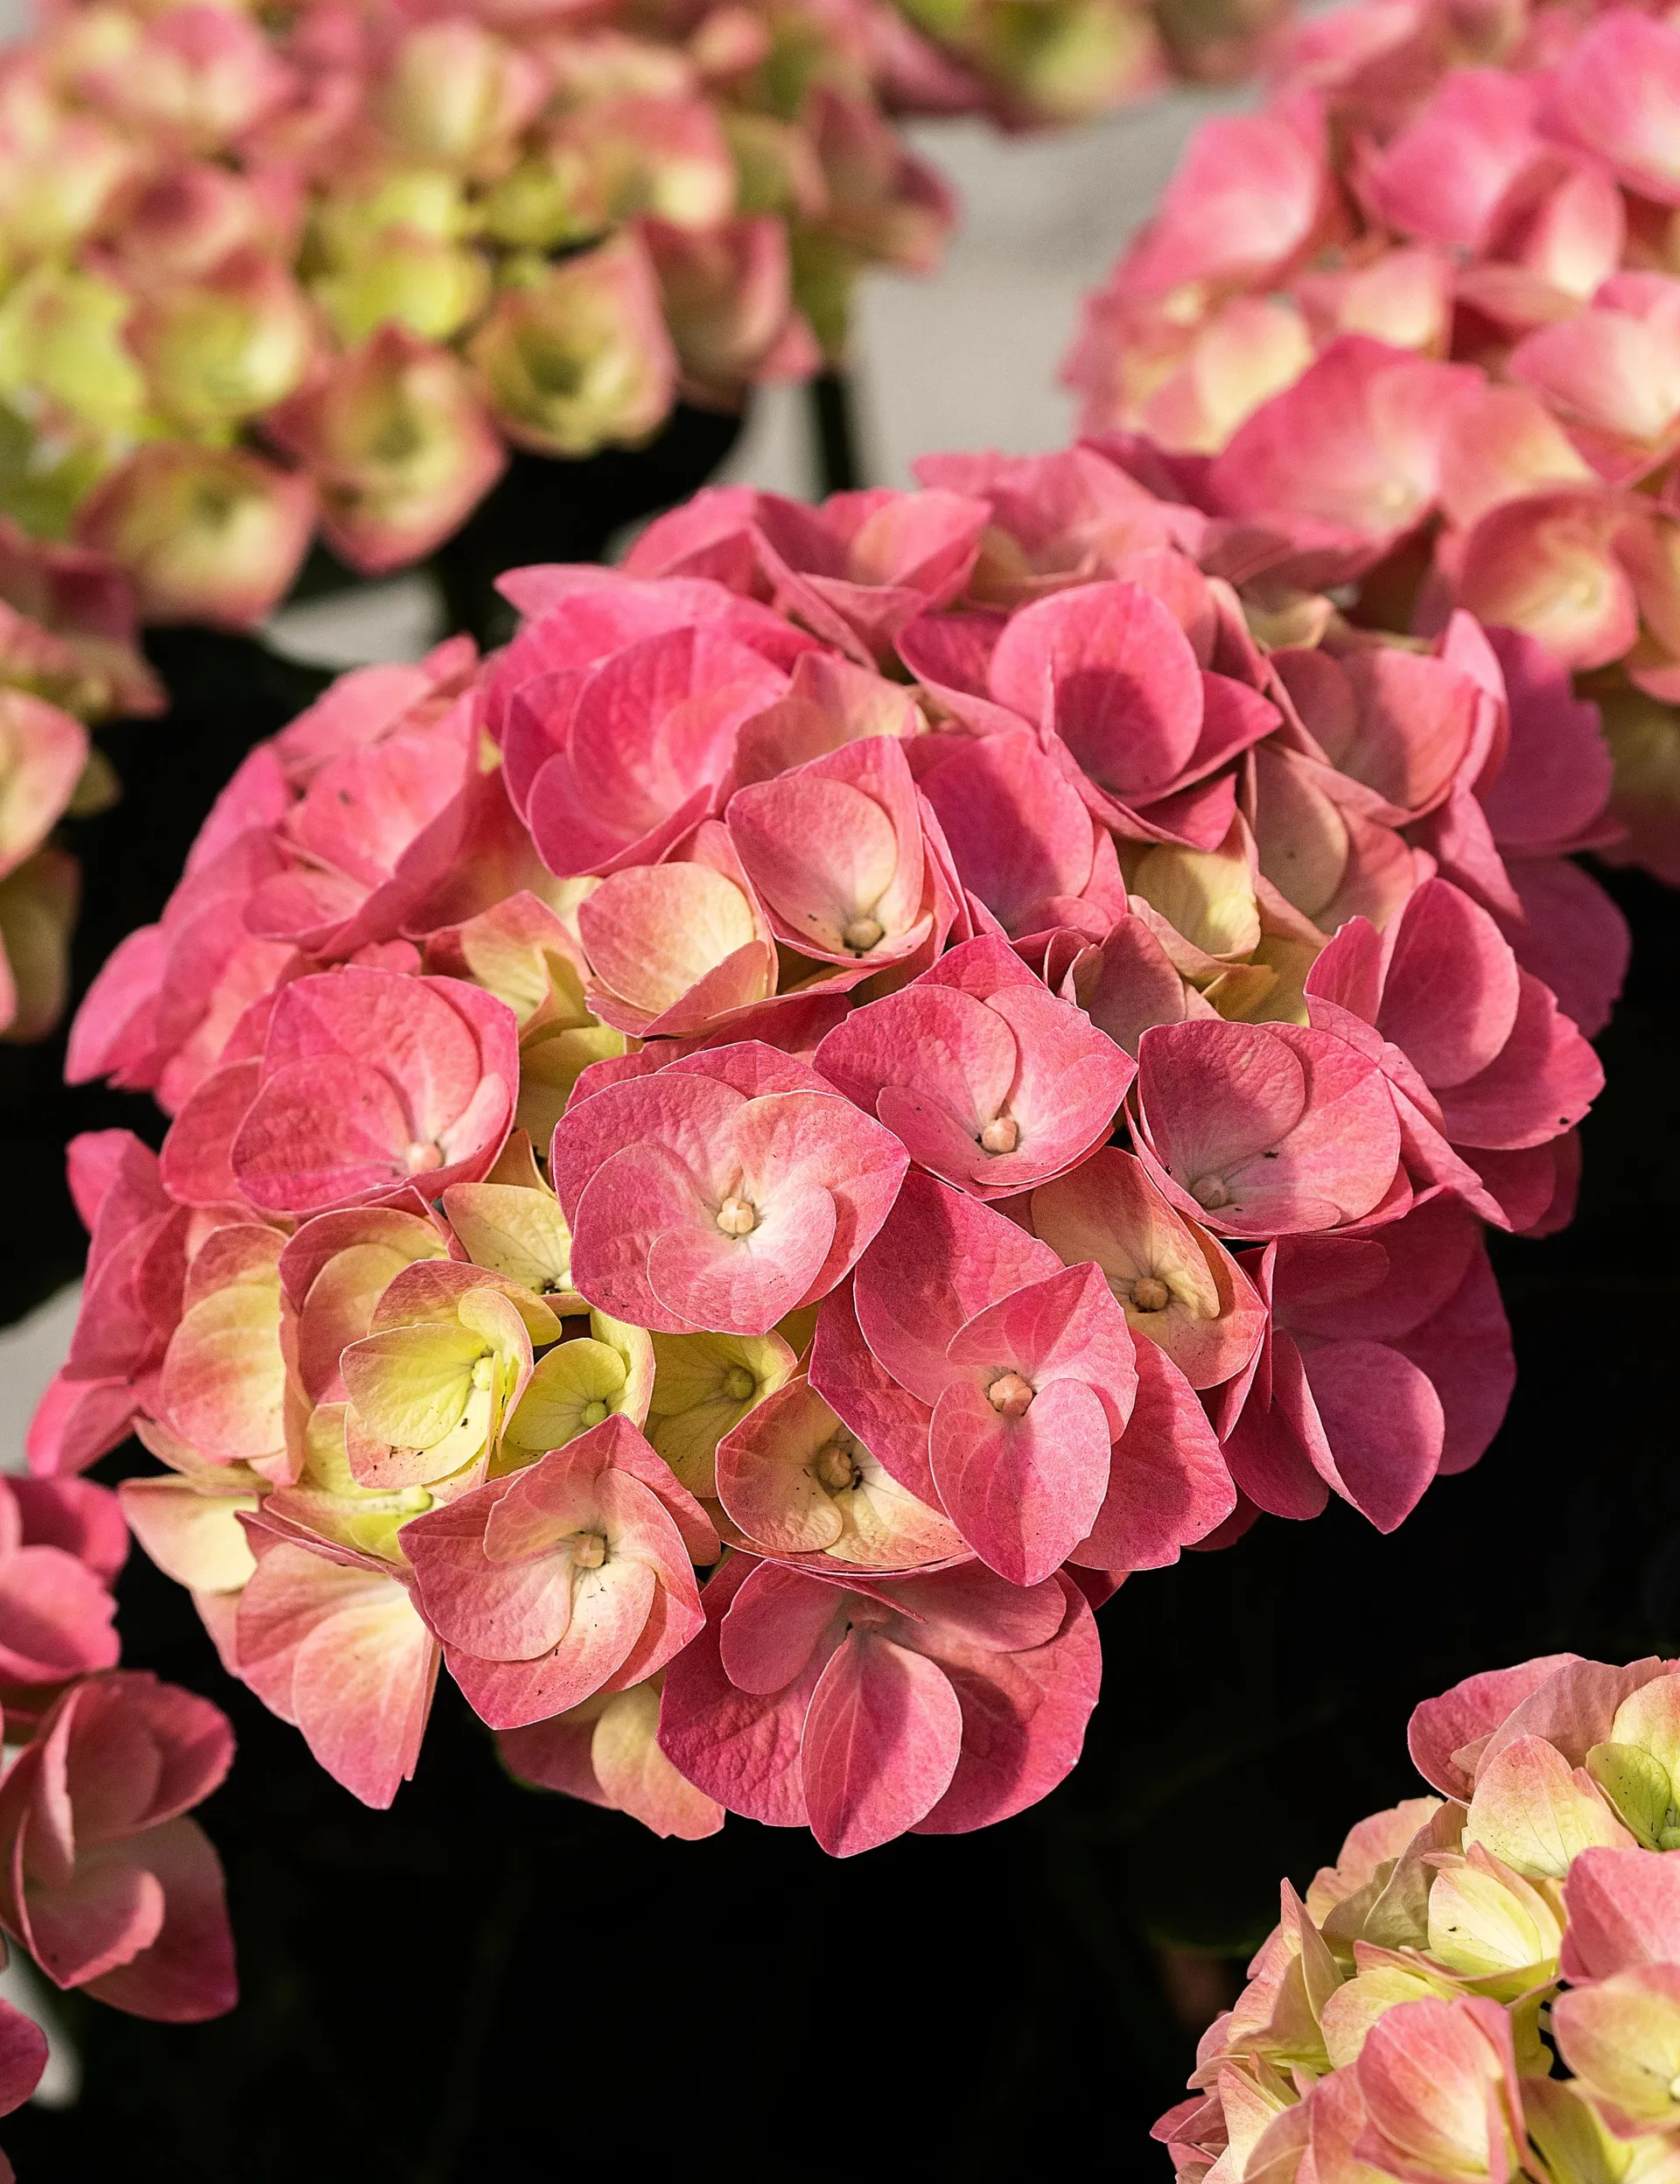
834,1464
863,933
1149,1293
1002,1134
588,1551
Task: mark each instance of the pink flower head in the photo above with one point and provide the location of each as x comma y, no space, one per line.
727,1190
1412,1972
1263,1130
800,1487
856,570
106,1882
1005,1127
571,1577
933,1704
330,1640
1368,420
1387,1360
986,1079
1107,674
995,1383
368,1080
646,745
1476,1048
678,947
840,854
1023,841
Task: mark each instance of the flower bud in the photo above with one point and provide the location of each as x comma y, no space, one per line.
58,171
206,535
197,76
432,288
189,219
728,299
399,446
666,157
61,337
455,94
581,359
227,346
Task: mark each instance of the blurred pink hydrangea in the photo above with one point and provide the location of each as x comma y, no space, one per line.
917,1056
319,267
1412,331
1406,2019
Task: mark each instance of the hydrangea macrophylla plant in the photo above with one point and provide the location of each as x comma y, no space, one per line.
735,1167
1407,2018
1410,331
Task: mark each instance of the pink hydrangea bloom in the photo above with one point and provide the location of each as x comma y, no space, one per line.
737,1166
1390,2026
1412,329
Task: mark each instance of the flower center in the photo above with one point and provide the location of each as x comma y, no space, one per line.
863,933
1001,1134
423,1158
835,1466
481,1370
588,1551
1149,1293
1010,1394
739,1383
738,1217
1209,1192
593,1413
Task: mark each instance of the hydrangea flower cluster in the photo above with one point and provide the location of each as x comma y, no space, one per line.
104,1880
1415,329
898,1054
1406,2019
323,265
68,655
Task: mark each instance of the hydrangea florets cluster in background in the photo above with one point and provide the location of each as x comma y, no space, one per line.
739,1163
323,265
1415,329
319,267
1407,2019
